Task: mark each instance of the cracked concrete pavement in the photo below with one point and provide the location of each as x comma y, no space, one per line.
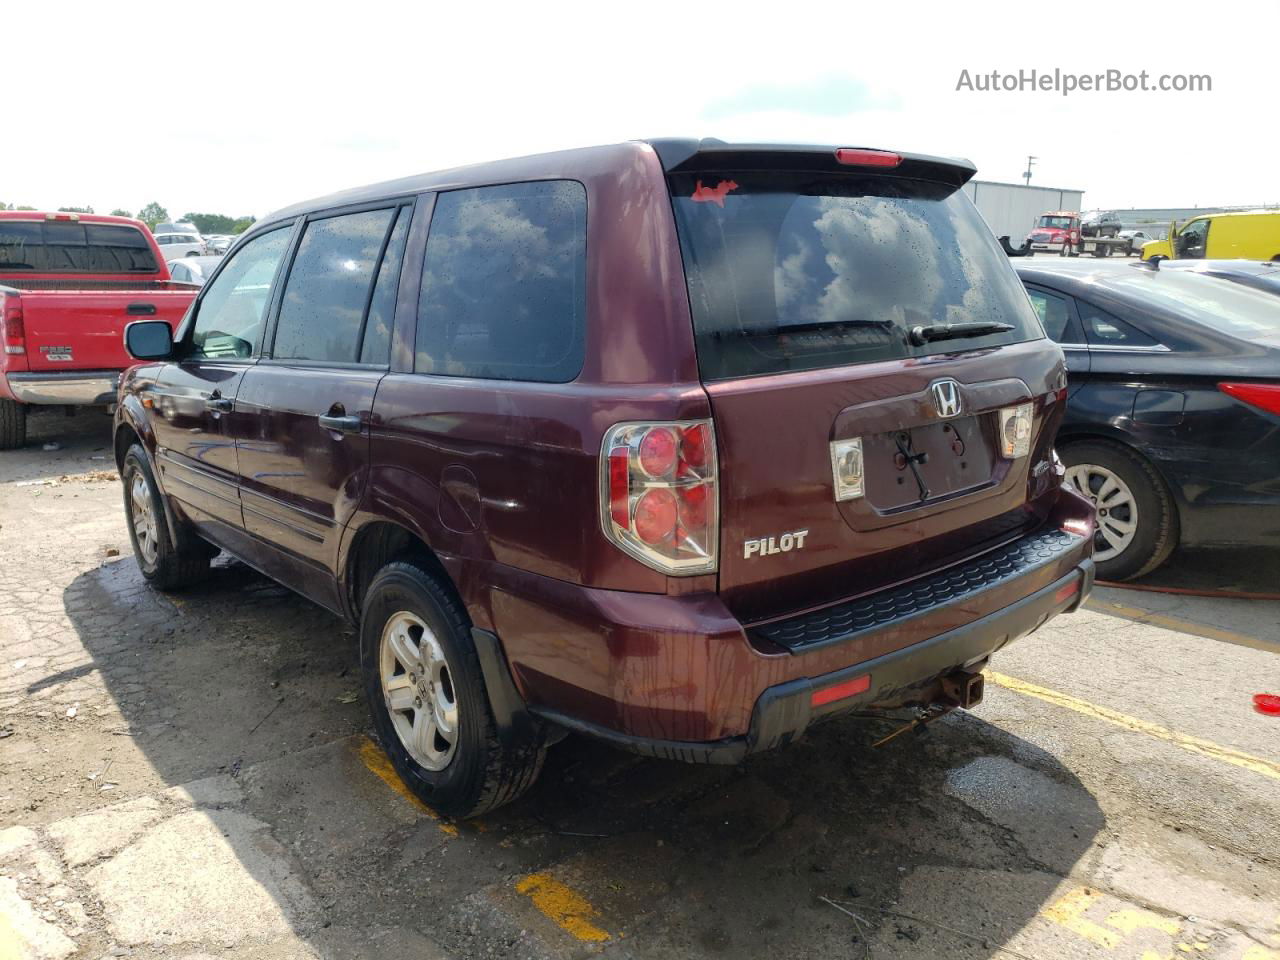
189,776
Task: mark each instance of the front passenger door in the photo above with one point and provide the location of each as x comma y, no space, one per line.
194,397
1193,239
303,470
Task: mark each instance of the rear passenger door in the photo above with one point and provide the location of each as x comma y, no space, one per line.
303,469
1061,322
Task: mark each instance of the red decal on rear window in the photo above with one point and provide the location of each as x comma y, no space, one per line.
714,194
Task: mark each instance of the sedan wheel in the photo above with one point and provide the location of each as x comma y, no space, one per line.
417,686
1137,524
1117,508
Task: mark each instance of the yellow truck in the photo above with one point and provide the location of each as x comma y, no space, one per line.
1253,235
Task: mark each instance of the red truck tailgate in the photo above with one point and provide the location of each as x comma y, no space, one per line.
84,329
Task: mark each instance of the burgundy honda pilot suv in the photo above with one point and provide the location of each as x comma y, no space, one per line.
683,445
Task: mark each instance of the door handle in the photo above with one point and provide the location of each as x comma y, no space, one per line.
218,404
140,309
340,424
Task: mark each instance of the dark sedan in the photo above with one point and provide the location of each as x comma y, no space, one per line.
1173,419
1259,274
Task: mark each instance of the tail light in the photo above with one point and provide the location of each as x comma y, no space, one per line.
658,495
1015,430
12,329
1264,396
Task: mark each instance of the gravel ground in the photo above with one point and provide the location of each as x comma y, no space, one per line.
190,775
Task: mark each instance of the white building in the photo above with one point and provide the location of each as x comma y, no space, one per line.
1012,209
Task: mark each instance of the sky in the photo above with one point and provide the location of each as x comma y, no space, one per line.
241,108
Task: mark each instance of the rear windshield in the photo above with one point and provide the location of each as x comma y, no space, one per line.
65,247
1226,306
793,271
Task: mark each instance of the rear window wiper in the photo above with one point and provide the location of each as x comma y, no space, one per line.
956,331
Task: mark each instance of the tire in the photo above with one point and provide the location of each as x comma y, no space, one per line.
1141,499
463,771
1063,251
13,424
166,565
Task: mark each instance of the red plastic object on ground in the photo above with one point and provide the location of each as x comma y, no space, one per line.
1268,703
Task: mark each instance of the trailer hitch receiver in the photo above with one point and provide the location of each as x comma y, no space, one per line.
963,688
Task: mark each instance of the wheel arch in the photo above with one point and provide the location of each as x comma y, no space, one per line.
371,546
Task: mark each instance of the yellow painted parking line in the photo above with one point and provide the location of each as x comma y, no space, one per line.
1205,748
1068,911
567,908
1177,624
371,756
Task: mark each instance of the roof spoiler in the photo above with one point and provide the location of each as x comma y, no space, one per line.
684,155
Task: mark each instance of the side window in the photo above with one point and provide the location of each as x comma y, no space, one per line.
328,287
504,283
179,273
1103,329
382,308
232,309
1053,312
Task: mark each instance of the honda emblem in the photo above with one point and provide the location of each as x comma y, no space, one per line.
946,397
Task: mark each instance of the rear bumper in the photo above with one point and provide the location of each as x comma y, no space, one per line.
76,387
784,711
680,676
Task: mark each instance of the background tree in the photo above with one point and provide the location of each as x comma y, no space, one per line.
208,223
152,214
122,213
75,209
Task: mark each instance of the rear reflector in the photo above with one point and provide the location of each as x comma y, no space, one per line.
1067,591
839,691
856,157
1264,396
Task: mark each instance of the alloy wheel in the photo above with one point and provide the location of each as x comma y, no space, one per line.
1117,508
417,686
143,518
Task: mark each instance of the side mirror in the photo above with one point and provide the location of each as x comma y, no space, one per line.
149,340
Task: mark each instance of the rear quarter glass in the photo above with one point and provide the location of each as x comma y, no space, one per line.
799,271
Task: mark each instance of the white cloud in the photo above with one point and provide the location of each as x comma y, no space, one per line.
238,107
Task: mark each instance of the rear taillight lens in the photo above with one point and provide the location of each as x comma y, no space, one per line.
12,330
1264,396
1015,430
658,496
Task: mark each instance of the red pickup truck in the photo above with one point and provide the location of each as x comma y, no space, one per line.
69,283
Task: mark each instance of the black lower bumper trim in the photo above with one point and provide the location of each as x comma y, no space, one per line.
784,711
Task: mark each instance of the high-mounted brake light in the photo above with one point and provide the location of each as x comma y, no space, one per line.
12,329
658,497
1264,396
857,157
